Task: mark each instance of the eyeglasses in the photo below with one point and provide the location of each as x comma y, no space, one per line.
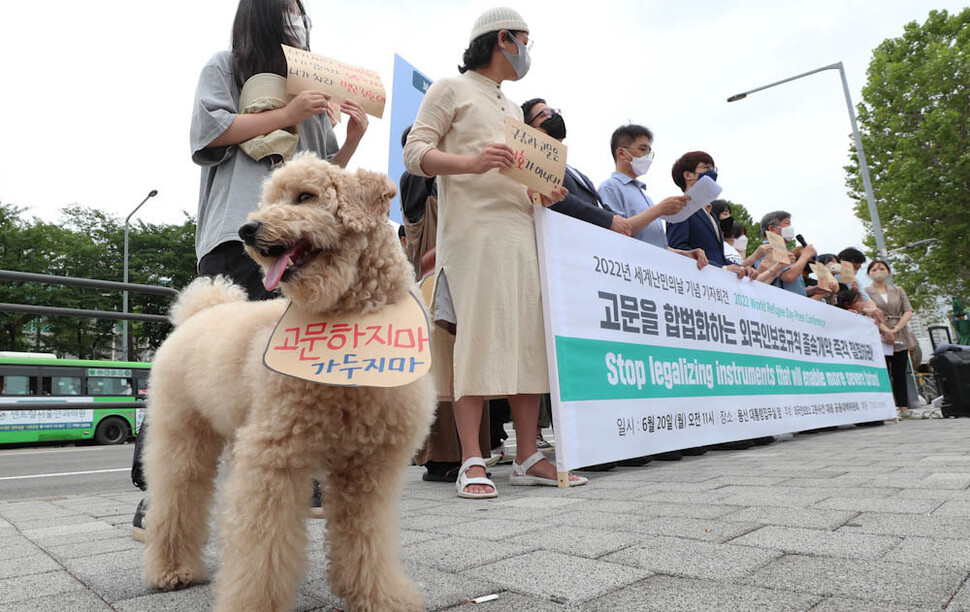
648,154
546,112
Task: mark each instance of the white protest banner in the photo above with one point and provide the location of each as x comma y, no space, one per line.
649,354
540,160
310,71
702,193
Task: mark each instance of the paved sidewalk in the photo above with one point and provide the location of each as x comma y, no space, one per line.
860,519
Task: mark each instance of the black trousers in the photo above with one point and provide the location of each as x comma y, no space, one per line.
897,377
228,259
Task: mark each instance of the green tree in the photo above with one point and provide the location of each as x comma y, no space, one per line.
88,243
914,119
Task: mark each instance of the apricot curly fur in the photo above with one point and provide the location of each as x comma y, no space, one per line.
209,390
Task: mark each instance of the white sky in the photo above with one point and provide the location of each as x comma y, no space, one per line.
97,96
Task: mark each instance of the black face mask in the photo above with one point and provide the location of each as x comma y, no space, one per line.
727,225
555,126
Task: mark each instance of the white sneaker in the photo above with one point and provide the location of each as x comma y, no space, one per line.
497,455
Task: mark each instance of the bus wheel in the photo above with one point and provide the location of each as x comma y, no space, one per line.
112,430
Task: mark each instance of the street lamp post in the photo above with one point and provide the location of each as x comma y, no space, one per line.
863,167
124,308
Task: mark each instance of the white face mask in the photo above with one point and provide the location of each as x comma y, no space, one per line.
788,233
641,164
836,268
295,29
741,244
880,277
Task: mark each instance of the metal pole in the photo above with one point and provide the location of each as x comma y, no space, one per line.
864,170
124,305
863,167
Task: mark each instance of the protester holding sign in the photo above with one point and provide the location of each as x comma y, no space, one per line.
231,179
487,266
779,223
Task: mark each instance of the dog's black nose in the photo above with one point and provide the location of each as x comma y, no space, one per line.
248,231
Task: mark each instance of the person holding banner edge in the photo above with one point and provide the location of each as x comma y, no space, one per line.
231,180
487,268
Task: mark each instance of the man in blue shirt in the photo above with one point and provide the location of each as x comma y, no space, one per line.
632,149
790,278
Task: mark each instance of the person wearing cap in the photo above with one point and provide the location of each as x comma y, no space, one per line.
487,267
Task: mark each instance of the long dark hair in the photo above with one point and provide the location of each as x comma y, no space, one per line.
257,32
479,52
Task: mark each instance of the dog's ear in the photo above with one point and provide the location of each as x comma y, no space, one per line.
367,202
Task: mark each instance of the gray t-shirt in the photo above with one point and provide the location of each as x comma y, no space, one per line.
231,180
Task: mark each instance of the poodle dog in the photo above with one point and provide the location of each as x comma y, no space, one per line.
321,234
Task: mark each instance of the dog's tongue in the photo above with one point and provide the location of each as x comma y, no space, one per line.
275,272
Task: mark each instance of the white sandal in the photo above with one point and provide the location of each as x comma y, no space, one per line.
520,476
463,481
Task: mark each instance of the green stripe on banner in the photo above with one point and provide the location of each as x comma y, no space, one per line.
601,370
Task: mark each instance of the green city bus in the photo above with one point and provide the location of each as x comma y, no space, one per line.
41,378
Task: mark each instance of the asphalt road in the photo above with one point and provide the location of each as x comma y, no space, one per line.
52,471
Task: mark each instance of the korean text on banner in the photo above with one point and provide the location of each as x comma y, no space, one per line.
309,71
540,160
387,348
649,354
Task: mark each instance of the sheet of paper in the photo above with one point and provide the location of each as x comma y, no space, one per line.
540,160
701,194
310,71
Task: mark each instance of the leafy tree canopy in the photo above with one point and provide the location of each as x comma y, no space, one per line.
914,120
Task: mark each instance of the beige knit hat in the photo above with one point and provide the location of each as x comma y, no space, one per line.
495,19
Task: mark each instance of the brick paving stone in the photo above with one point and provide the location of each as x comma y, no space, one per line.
559,577
820,542
669,593
680,557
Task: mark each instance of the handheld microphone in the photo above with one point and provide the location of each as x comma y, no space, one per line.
801,241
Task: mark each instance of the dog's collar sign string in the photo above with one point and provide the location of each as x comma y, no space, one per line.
387,348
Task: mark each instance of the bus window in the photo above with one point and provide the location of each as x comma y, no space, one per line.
19,385
99,385
62,385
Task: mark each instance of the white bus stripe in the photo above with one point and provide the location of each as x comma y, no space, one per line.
64,474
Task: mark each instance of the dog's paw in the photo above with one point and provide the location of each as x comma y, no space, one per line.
172,579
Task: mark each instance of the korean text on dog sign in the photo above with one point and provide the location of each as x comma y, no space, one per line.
540,160
387,348
309,71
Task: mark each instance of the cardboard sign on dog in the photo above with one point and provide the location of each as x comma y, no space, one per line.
540,160
387,348
310,71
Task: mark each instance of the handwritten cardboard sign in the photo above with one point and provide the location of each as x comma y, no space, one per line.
387,348
540,160
847,273
779,250
305,70
826,279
